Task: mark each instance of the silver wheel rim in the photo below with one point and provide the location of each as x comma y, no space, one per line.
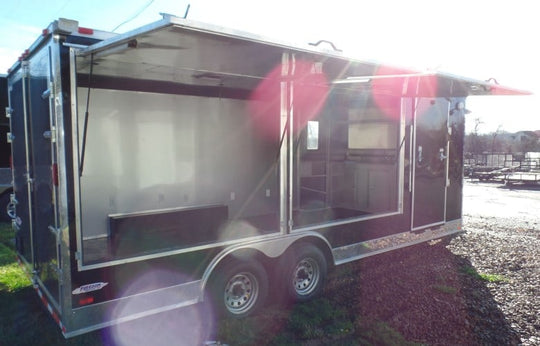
306,276
241,293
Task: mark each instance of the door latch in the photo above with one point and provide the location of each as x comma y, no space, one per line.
11,207
442,157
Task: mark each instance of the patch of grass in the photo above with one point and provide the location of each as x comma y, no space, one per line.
314,320
7,255
319,321
258,329
319,318
379,333
12,278
23,319
493,277
6,233
481,276
445,289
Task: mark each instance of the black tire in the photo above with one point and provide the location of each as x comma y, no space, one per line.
239,289
306,270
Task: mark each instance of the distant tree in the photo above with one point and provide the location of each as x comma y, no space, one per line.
474,142
496,145
528,141
502,142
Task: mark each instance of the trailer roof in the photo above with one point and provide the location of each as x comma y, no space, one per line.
178,50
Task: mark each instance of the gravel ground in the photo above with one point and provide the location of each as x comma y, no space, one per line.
481,287
503,238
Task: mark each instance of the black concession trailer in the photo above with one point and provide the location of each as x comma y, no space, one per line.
225,160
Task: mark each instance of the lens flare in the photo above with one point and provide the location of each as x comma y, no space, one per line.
393,83
309,91
191,325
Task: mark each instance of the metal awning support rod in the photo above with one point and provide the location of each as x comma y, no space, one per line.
366,79
86,116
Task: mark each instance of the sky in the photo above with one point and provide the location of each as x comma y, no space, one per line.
480,39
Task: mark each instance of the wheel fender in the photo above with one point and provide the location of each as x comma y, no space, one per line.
269,247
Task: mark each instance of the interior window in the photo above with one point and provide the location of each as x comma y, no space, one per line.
349,165
312,135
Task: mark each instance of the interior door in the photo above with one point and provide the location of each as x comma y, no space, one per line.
430,162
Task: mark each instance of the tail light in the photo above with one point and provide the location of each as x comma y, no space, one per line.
86,300
54,173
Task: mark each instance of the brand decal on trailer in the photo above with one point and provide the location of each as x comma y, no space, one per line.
90,287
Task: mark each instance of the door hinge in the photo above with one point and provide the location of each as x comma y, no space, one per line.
46,94
12,209
54,230
50,134
9,112
25,66
29,181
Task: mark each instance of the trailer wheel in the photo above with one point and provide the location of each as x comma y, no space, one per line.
239,289
306,273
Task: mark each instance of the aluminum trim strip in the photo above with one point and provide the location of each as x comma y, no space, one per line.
401,153
164,210
346,221
349,253
76,154
186,294
83,267
29,179
427,226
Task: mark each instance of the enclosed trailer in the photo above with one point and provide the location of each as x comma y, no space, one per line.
217,163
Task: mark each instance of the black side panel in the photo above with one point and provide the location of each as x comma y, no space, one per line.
41,164
45,243
135,234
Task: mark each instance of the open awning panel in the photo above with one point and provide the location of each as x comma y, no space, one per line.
175,55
